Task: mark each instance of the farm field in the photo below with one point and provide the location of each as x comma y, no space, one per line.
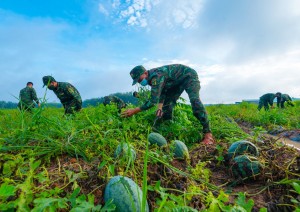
49,162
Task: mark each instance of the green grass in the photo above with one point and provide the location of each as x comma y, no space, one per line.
36,153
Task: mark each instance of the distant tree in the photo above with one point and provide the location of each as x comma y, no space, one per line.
8,105
126,97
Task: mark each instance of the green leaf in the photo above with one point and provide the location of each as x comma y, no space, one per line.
223,197
73,196
296,186
6,191
109,206
49,204
102,164
34,164
241,201
263,210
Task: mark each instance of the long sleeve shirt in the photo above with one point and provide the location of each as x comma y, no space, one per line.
163,78
28,95
67,93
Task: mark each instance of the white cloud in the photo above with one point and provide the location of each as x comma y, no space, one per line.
253,79
103,10
153,13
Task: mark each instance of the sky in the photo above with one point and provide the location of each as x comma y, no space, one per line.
240,49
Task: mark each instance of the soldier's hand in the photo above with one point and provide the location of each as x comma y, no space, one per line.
130,112
159,113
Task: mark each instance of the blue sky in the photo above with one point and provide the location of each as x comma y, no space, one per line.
240,49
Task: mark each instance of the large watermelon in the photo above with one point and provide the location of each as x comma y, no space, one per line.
125,193
156,138
245,167
241,147
179,150
125,150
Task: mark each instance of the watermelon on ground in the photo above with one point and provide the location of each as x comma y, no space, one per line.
240,148
125,193
156,138
179,150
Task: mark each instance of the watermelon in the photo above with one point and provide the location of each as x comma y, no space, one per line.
125,193
240,148
156,138
125,150
245,166
179,150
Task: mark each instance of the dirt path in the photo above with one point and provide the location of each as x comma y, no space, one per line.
285,140
288,137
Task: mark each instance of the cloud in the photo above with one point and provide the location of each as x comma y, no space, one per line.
252,80
151,14
240,49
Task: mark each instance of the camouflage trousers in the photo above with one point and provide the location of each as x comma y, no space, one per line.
263,103
191,85
72,107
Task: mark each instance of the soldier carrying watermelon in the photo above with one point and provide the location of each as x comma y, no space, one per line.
68,95
167,84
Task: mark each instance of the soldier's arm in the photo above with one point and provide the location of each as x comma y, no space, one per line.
73,92
156,90
34,96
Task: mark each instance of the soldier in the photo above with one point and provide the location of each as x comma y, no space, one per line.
114,99
67,94
267,99
167,84
286,98
27,97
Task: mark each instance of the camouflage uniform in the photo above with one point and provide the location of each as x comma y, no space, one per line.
69,97
168,83
285,98
27,96
114,99
266,100
67,94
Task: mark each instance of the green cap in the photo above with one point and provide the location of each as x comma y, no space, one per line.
136,72
47,80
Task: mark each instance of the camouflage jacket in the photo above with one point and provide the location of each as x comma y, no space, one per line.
67,94
27,96
269,98
163,78
285,97
114,99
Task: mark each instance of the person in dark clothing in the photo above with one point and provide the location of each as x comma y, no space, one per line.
115,100
268,99
286,98
67,94
167,84
27,97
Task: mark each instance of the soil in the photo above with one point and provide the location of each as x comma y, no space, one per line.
280,162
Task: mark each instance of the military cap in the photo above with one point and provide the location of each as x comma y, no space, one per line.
136,72
48,79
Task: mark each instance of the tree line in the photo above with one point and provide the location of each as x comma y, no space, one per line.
126,97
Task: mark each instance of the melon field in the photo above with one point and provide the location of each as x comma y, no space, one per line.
50,162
